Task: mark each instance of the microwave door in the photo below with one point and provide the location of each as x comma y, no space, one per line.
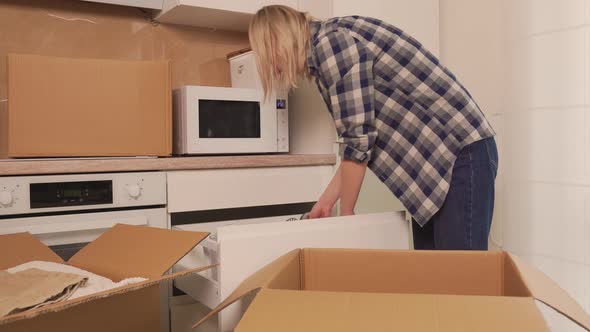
234,126
229,119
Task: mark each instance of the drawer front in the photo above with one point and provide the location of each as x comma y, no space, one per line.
234,188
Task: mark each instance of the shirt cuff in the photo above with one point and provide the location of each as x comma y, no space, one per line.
349,153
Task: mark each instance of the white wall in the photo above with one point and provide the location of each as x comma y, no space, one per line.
417,17
472,48
547,126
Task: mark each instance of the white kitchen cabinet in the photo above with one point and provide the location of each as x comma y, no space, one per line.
245,246
151,4
202,190
230,14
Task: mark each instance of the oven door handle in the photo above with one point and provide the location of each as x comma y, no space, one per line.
90,225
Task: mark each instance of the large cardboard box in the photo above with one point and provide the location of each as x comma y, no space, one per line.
388,290
123,251
65,107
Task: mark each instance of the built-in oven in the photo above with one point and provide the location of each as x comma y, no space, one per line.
68,211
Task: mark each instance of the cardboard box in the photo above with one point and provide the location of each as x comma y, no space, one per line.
388,290
121,252
64,107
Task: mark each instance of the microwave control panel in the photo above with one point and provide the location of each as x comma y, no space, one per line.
282,126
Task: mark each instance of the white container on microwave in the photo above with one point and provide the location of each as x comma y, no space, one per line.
215,120
244,73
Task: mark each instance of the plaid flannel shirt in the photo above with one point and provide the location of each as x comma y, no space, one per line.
395,107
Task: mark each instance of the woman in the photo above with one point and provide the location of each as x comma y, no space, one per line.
397,111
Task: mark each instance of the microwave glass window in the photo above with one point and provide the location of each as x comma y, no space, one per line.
229,119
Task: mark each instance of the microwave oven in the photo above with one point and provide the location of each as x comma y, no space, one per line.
216,120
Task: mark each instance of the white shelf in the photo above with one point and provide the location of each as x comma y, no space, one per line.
231,15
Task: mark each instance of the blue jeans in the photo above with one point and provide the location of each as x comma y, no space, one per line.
464,220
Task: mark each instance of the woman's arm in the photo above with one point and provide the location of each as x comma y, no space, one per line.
353,174
323,208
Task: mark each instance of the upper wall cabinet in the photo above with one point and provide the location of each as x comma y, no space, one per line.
151,4
230,14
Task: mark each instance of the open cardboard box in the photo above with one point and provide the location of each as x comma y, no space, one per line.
121,252
389,290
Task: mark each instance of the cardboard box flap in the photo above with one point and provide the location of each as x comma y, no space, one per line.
55,307
20,248
283,271
547,291
126,251
352,312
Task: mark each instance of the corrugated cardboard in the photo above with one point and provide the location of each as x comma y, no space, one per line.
63,107
135,251
389,290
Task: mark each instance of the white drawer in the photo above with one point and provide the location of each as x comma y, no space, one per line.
233,188
203,290
243,248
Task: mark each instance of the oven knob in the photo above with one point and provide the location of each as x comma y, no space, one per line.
6,198
134,191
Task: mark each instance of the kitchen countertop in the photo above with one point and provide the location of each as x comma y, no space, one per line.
97,165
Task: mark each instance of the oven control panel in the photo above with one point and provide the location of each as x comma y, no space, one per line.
36,194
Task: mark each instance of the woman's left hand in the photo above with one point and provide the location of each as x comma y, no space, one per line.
321,209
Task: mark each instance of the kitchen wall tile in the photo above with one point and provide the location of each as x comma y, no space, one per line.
545,219
516,219
517,160
526,17
557,73
496,239
559,221
557,143
550,15
572,277
546,144
517,90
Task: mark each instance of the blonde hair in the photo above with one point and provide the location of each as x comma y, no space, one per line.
279,36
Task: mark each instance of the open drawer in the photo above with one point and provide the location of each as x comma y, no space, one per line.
242,247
